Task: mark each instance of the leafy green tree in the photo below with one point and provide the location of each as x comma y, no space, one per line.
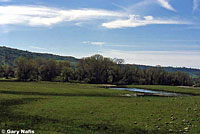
2,71
38,63
8,72
60,65
197,83
48,70
95,69
66,74
25,69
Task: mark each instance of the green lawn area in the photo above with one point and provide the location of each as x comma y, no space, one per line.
65,108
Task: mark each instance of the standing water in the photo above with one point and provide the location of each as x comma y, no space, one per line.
147,91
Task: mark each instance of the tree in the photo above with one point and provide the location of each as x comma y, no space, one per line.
66,74
39,62
60,65
26,69
8,71
2,71
197,83
48,70
118,61
94,69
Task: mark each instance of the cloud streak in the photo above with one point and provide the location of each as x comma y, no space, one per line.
136,21
45,16
165,4
98,43
195,5
5,0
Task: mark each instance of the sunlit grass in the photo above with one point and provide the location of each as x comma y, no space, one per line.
62,108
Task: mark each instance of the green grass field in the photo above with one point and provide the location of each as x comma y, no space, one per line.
64,108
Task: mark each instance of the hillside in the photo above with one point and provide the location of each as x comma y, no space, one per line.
8,55
191,71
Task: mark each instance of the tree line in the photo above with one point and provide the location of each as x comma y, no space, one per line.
95,69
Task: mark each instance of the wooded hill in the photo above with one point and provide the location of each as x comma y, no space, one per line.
8,55
195,73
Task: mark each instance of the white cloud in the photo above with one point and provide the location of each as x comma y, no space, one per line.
44,16
5,0
94,43
143,5
195,5
165,4
164,58
136,21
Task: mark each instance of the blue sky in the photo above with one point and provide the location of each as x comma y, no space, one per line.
150,32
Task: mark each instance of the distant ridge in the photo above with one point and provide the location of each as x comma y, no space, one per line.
195,73
8,55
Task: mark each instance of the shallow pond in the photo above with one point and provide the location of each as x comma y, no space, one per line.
151,92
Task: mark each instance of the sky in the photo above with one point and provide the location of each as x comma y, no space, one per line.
147,32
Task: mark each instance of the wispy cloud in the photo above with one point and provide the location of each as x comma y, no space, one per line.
5,29
144,5
5,0
45,16
195,5
165,4
98,43
141,45
136,21
136,7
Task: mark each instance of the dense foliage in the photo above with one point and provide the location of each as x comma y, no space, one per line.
191,71
95,69
197,82
9,55
6,71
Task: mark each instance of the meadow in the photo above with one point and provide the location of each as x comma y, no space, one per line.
72,108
